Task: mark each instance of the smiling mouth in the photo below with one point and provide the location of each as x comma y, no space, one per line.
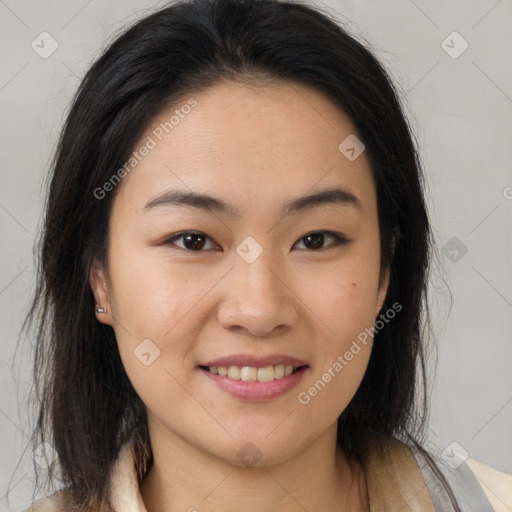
251,373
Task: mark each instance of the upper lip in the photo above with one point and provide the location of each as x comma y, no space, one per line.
254,361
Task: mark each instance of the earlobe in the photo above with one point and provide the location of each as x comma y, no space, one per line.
98,283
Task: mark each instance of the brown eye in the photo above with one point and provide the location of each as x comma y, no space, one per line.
315,241
192,241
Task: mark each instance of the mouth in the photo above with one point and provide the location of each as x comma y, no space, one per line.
267,373
255,384
255,377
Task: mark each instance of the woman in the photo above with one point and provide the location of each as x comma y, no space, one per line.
233,276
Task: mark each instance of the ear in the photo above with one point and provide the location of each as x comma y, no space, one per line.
383,290
384,280
99,286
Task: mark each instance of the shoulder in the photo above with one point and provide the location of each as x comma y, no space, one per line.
394,479
53,503
496,485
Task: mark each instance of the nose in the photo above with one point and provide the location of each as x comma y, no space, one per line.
258,297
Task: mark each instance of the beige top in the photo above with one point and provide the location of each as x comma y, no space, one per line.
394,478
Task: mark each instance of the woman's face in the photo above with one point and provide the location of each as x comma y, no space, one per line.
264,276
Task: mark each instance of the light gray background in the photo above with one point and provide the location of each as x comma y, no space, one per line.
461,111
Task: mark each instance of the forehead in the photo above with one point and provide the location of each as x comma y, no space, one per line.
256,143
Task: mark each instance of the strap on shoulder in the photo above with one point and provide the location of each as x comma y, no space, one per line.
470,495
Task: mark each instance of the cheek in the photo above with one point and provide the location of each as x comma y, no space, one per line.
343,302
344,297
329,391
151,298
153,309
343,345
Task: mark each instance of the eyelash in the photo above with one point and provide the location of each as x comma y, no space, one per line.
338,240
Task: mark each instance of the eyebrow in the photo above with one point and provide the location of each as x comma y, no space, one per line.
331,196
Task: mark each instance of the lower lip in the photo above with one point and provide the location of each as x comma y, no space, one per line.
254,390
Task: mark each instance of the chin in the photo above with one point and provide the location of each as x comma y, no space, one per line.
258,452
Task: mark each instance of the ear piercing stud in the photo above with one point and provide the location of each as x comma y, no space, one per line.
98,309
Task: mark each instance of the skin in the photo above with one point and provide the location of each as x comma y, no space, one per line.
256,148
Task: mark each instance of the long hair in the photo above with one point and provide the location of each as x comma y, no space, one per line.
88,407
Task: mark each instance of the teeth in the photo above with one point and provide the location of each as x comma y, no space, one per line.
279,371
234,372
266,374
250,373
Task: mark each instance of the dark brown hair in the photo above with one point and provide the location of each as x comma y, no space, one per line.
88,407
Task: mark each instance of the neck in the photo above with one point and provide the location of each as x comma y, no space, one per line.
185,477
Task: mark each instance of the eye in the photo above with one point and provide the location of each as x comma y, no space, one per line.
192,241
315,241
197,241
